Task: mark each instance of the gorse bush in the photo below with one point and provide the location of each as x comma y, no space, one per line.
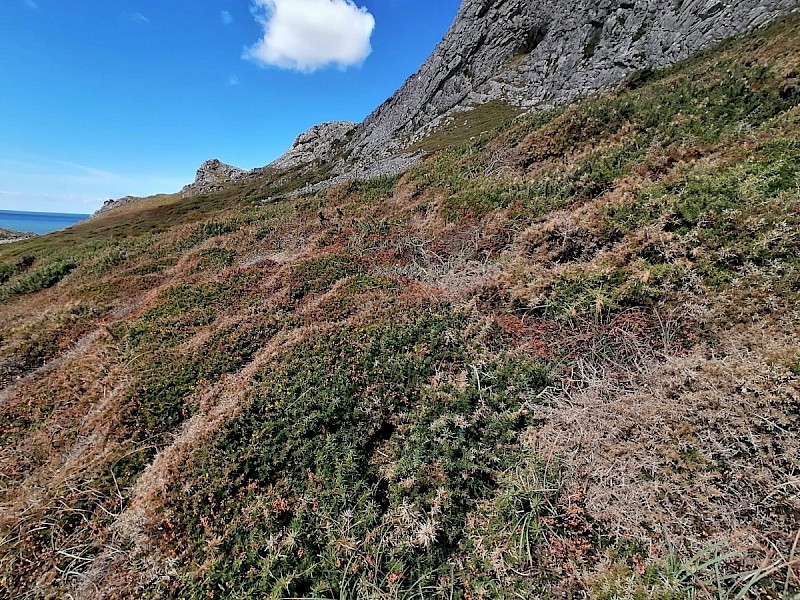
6,272
160,399
42,278
339,407
211,229
218,258
375,189
727,216
318,275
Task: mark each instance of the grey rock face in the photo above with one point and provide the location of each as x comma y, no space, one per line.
551,52
111,204
211,176
321,142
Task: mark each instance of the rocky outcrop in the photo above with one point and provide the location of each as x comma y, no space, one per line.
212,176
320,143
551,52
111,203
9,235
529,54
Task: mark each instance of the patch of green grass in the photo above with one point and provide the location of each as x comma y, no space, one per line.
164,380
319,274
795,367
375,189
594,40
683,572
463,127
597,173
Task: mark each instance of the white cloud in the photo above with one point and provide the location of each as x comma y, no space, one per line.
306,35
226,17
31,4
136,18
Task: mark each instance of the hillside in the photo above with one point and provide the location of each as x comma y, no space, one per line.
555,359
510,55
546,53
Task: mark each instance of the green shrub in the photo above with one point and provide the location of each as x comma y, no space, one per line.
42,278
304,460
218,258
319,274
578,292
210,229
474,203
375,189
6,273
795,367
737,214
160,397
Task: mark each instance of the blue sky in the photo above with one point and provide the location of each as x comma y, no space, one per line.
104,98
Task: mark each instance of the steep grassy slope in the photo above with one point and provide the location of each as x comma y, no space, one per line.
558,360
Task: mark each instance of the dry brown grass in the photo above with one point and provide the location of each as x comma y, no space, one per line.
698,446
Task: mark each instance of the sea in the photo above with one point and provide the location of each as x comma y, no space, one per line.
37,222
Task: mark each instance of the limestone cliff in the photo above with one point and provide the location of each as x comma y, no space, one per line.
550,52
529,54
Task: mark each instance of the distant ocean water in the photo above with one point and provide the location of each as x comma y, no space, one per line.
37,222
